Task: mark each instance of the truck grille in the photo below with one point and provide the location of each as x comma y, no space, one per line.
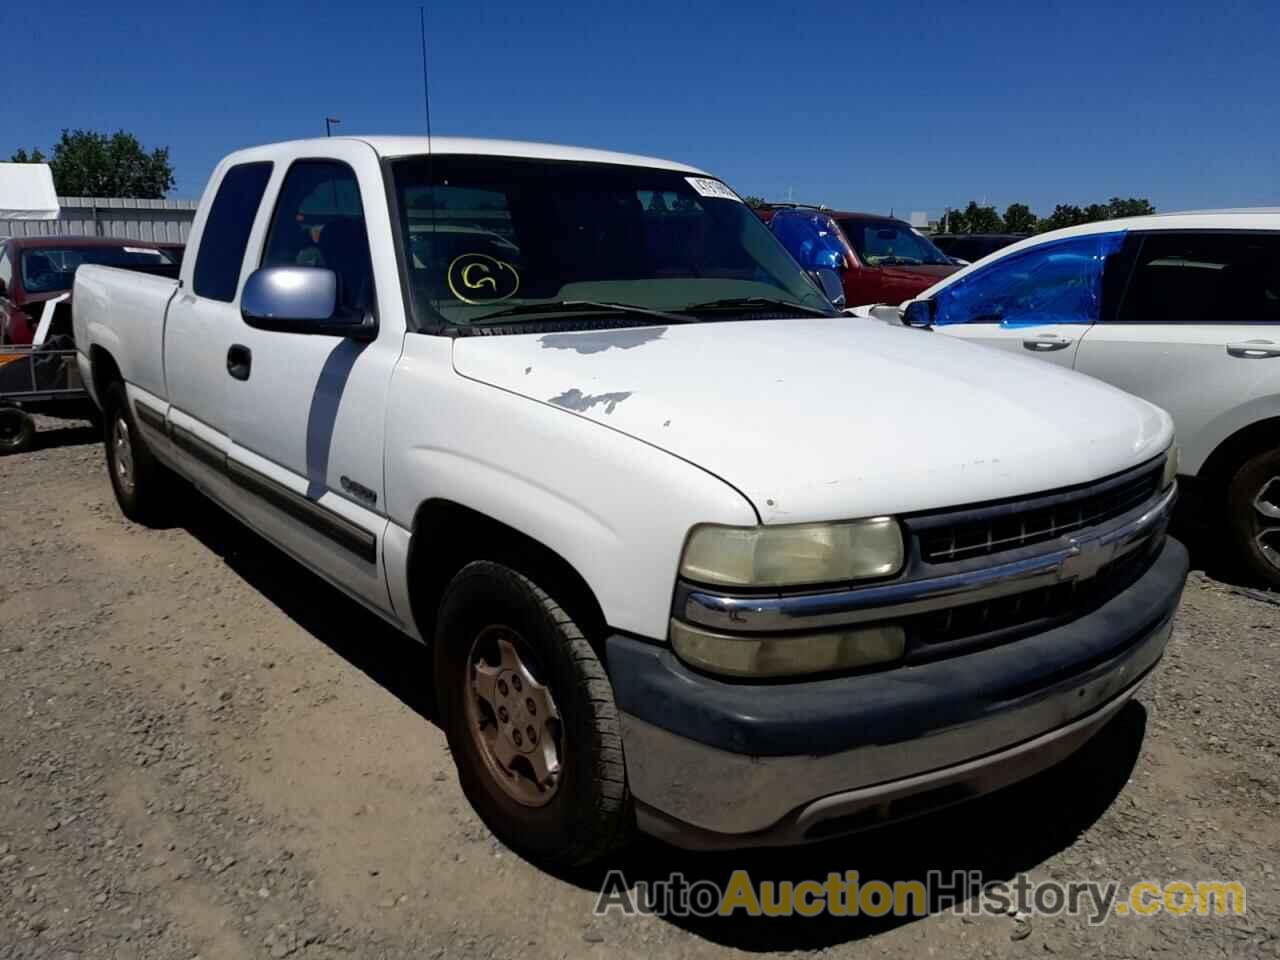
1011,526
947,632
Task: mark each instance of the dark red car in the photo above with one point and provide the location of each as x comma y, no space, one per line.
36,269
879,259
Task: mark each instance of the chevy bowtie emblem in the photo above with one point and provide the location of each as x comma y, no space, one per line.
1085,559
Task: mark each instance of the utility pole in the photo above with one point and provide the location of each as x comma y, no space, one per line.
328,125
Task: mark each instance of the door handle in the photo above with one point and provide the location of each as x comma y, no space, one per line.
1254,349
1046,344
239,361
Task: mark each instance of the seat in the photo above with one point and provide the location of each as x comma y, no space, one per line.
344,245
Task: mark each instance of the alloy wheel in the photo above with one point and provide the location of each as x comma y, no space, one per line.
1266,520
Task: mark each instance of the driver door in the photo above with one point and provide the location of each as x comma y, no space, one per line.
307,409
1040,302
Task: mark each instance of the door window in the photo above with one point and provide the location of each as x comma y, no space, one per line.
319,222
1204,278
6,272
226,232
1058,282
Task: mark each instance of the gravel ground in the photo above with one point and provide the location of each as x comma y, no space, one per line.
207,752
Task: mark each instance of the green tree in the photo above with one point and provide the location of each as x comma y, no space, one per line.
1131,207
754,202
978,219
1064,215
1095,212
1018,218
21,156
89,164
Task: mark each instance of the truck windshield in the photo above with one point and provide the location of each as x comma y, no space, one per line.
884,243
487,237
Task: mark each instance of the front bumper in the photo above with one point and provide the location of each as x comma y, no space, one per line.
714,763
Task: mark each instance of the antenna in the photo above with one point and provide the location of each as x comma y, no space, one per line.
426,90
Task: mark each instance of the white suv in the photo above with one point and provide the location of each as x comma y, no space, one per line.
1181,309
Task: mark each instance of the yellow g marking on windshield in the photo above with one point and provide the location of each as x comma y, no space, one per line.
470,284
480,278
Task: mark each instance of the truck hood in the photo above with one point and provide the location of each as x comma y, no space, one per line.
825,418
925,272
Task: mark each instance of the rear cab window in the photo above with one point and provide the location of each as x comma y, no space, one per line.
226,232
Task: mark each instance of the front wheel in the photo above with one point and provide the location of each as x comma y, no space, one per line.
530,718
1253,515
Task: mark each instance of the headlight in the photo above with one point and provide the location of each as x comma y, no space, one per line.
787,656
1170,469
794,554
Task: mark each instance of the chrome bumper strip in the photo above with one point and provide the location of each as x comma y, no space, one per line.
1082,557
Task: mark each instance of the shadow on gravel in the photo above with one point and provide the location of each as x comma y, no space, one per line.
396,662
1197,523
66,435
1000,835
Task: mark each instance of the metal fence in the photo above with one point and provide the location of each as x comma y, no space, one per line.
164,221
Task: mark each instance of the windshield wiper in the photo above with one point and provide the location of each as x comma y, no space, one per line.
578,306
739,303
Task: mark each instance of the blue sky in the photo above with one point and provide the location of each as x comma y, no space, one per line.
906,106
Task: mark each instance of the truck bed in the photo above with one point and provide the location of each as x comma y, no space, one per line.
124,311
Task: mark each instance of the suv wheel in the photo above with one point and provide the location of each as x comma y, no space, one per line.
1253,515
138,479
530,718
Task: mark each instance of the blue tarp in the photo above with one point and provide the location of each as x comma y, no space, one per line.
1057,282
811,237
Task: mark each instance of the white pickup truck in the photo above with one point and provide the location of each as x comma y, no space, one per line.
696,553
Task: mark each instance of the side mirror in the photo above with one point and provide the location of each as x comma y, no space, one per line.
918,313
301,300
829,283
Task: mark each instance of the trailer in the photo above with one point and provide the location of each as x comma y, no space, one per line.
38,380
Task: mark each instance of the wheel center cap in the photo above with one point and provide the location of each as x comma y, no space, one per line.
520,725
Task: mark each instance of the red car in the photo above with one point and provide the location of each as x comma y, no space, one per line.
36,269
879,259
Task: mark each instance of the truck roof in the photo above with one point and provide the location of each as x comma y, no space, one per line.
389,146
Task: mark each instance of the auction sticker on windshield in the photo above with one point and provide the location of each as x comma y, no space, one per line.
706,187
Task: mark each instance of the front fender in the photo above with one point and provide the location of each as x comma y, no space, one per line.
1196,449
615,508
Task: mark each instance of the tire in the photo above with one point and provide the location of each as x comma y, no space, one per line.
1253,490
17,430
587,813
141,483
